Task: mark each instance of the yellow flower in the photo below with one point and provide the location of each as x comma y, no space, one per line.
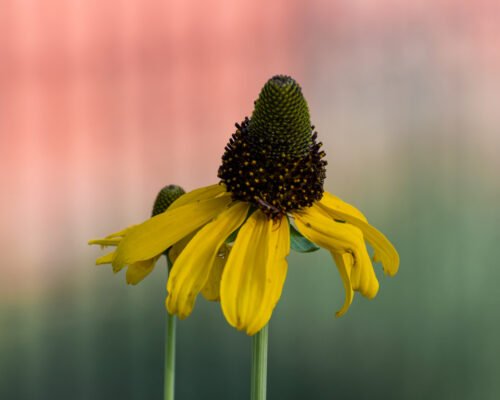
239,231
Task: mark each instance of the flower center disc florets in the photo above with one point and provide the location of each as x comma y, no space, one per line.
273,159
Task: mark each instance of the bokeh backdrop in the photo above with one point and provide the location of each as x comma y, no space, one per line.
104,102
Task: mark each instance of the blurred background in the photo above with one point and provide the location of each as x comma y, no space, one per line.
103,103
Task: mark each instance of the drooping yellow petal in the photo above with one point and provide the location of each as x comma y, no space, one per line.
335,203
176,250
106,242
211,290
317,226
160,232
344,263
111,240
363,278
191,270
384,251
277,271
255,271
106,259
138,271
121,233
204,193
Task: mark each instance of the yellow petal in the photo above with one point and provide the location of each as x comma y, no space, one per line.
255,272
211,290
121,233
317,226
363,278
277,271
106,242
138,271
384,251
160,232
335,203
204,193
113,239
191,270
107,259
344,265
178,247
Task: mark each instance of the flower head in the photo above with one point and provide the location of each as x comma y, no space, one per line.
273,160
233,237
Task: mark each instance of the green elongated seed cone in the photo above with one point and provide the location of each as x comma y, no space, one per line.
281,119
165,197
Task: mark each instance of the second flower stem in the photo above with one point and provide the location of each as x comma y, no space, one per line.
170,330
259,364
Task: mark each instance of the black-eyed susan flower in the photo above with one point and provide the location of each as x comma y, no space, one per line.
239,230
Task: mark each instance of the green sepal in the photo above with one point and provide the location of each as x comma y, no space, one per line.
300,243
169,262
232,236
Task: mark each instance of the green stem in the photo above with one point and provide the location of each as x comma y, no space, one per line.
170,329
259,364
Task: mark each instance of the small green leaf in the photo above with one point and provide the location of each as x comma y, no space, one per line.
300,243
